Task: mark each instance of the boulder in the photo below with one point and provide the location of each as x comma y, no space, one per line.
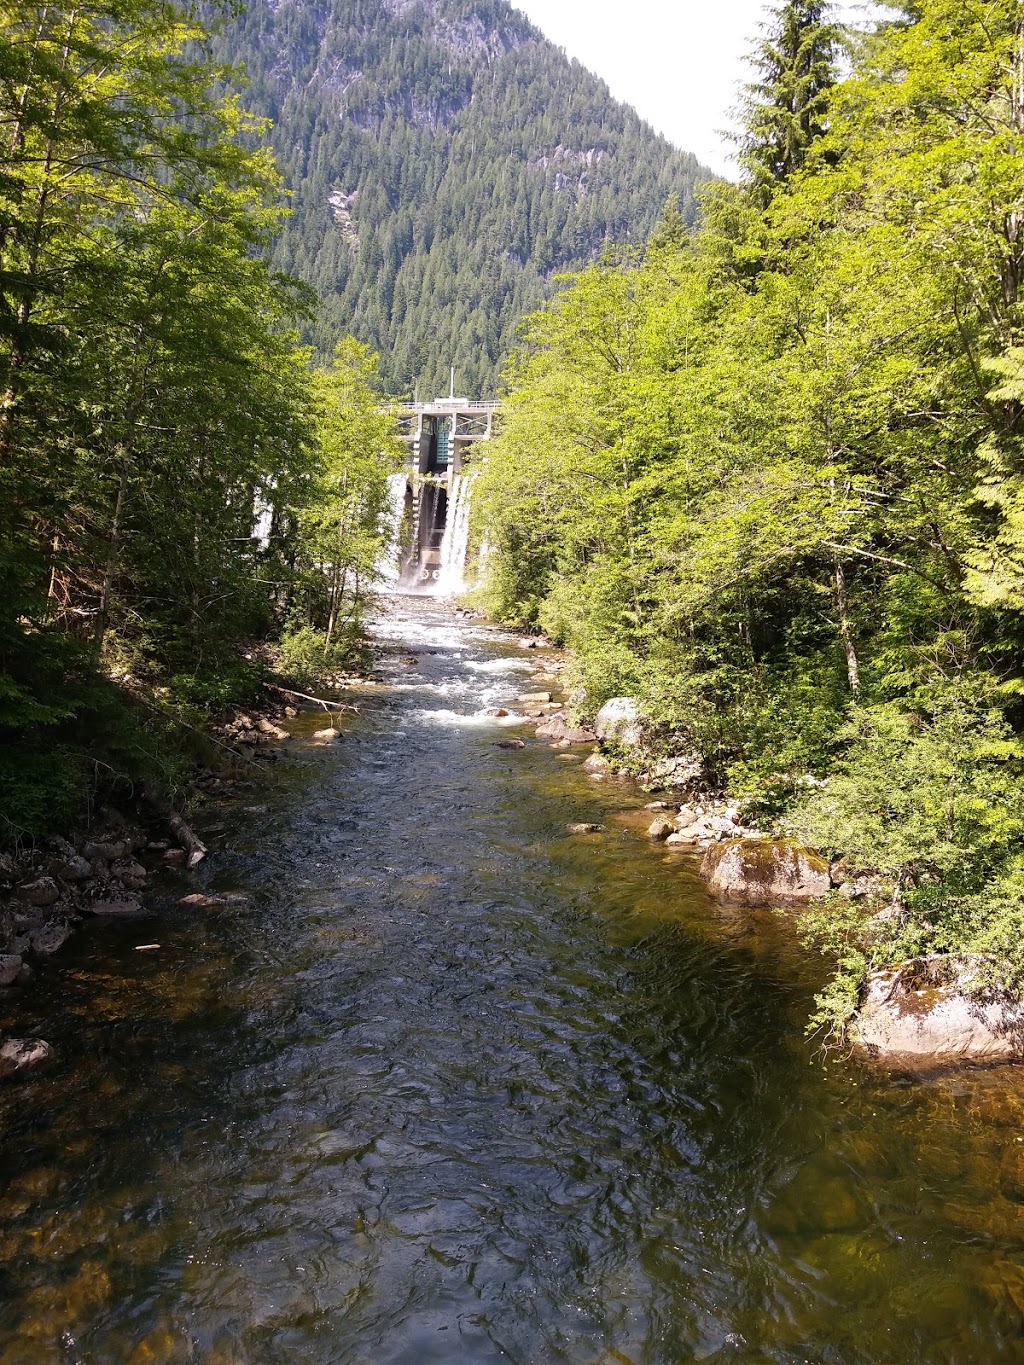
765,871
73,869
557,727
325,736
660,829
921,1014
583,828
49,939
596,763
103,850
534,698
682,771
272,731
10,966
510,743
18,1055
618,722
41,891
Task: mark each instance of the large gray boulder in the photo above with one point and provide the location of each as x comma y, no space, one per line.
765,871
921,1014
558,728
618,722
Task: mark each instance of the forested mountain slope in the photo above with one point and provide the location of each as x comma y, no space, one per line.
446,162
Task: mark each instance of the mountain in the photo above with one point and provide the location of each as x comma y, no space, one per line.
446,162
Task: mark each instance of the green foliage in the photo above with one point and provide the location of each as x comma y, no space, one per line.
304,659
165,446
767,479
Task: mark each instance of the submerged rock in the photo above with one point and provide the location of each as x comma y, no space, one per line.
325,736
660,829
765,871
618,722
18,1055
583,828
921,1014
596,763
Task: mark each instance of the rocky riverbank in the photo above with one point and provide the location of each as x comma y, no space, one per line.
127,854
922,1014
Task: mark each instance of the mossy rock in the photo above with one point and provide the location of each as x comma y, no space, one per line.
765,871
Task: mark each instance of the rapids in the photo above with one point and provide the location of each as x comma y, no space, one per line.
455,1086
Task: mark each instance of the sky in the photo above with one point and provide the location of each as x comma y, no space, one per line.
680,63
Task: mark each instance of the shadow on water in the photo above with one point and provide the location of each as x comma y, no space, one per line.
456,1086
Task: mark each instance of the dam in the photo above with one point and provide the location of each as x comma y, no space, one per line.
430,498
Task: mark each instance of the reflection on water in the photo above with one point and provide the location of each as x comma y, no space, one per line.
455,1086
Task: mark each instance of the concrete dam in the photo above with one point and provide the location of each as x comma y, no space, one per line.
430,498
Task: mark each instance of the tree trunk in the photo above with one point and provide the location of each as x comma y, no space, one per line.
846,631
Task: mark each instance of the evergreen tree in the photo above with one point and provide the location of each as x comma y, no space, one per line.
786,108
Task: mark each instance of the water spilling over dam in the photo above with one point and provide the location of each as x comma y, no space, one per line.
431,498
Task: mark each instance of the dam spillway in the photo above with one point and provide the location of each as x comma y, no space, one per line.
431,496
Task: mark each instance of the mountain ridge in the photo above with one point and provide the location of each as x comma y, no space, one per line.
446,162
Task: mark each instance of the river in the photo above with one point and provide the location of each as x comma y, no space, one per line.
454,1085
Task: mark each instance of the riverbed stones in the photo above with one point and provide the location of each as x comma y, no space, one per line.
618,722
49,939
116,908
325,736
583,827
534,698
557,727
596,763
660,829
765,871
19,1055
42,891
922,1014
10,966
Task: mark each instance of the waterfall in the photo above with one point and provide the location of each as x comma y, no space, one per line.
451,579
388,564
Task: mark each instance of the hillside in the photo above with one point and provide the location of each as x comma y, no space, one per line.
446,161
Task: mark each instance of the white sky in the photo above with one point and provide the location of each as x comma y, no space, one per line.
680,64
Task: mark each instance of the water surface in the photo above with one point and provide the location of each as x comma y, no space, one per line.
457,1086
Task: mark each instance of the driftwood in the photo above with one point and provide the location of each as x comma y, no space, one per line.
185,835
327,705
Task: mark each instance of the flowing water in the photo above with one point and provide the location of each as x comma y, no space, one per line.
456,1086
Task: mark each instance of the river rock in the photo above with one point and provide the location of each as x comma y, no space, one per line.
105,850
10,966
618,722
49,939
325,736
920,1013
534,698
557,727
583,828
510,743
18,1055
41,891
272,731
111,909
682,771
765,871
660,829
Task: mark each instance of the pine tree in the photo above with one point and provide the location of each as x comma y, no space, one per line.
786,108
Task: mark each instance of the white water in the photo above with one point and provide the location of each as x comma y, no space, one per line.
456,539
389,568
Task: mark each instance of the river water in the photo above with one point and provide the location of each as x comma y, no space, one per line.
456,1086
